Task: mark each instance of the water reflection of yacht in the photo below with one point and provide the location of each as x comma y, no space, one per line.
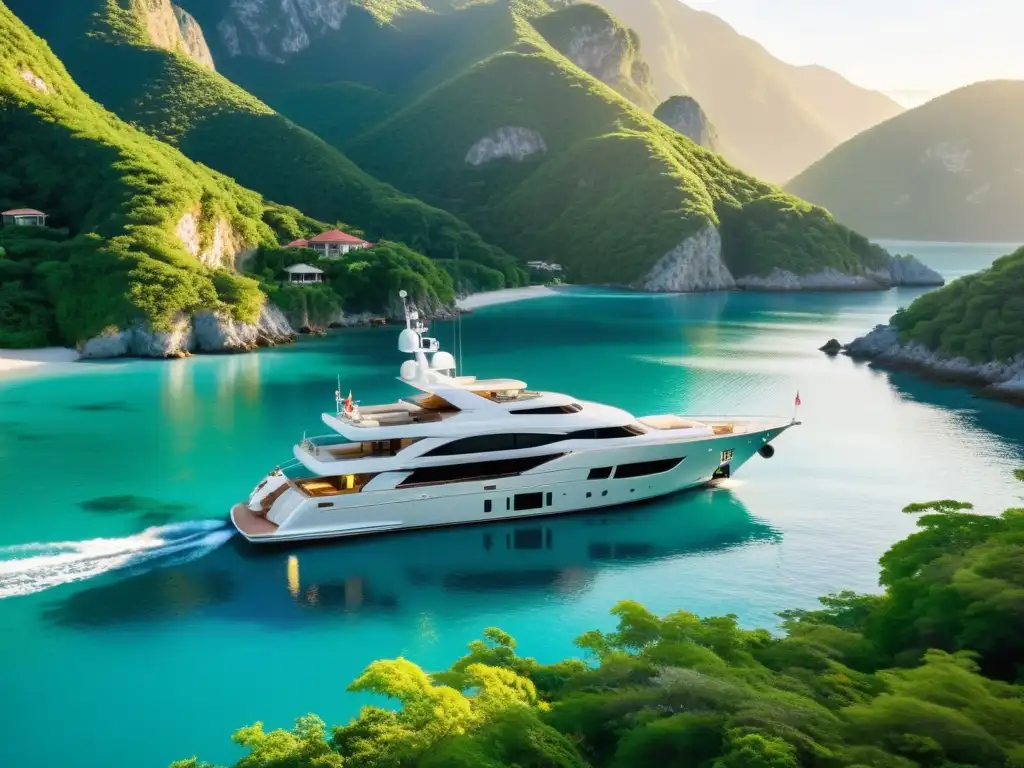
466,450
427,572
552,554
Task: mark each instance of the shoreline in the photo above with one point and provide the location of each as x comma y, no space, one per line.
20,361
505,296
882,347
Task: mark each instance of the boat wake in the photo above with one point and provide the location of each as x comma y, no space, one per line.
29,568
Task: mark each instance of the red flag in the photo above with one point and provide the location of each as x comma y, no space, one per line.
797,401
348,402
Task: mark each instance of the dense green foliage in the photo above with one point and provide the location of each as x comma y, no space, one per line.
105,46
365,280
614,190
926,675
980,316
775,118
119,195
947,170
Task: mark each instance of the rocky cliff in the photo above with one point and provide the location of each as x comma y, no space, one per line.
275,29
512,142
209,332
884,347
596,42
693,265
174,29
685,115
901,271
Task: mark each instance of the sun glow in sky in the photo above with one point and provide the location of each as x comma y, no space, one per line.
911,49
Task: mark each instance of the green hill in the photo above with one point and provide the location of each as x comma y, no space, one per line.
980,317
553,164
108,46
775,119
951,169
147,234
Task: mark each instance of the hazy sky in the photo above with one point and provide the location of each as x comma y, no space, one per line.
911,49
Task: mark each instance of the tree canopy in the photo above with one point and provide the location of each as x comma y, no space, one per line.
928,673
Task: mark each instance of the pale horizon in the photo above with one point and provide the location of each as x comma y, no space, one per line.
907,49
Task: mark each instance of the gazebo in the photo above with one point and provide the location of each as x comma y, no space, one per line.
23,217
304,274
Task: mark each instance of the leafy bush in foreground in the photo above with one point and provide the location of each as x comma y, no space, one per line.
927,674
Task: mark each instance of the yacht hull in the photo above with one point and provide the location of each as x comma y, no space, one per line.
569,482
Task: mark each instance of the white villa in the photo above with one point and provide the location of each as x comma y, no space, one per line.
304,274
24,217
331,245
544,266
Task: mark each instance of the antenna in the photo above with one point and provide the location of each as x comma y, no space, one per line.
405,307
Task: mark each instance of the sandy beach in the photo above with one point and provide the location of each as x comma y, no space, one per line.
13,361
490,298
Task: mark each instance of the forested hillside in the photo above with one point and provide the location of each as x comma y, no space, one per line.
951,169
109,48
926,675
141,251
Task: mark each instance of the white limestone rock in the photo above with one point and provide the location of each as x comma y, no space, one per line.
34,80
193,40
909,271
276,29
828,279
218,332
226,249
510,141
684,115
693,265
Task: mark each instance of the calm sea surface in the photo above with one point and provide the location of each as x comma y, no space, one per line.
136,629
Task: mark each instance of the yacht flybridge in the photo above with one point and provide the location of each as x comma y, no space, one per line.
468,450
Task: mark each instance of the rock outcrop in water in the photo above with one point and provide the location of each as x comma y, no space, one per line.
209,332
884,347
902,271
685,115
693,265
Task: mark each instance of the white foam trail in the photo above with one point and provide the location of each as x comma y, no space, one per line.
29,568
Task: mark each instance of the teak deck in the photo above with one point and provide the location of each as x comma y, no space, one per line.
250,523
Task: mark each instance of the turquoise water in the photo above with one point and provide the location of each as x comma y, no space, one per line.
137,630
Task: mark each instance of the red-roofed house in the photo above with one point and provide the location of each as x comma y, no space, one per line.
335,244
23,217
300,243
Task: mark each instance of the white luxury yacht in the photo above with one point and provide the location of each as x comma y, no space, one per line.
468,450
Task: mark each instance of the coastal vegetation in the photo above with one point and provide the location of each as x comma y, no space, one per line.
927,674
119,198
107,47
979,317
946,170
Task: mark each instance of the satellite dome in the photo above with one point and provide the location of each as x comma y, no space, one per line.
408,341
408,370
442,361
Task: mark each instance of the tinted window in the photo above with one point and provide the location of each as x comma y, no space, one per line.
600,473
528,501
487,505
646,468
477,470
551,410
492,443
604,433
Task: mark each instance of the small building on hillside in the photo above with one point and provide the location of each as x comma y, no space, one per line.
24,217
335,244
303,274
544,266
